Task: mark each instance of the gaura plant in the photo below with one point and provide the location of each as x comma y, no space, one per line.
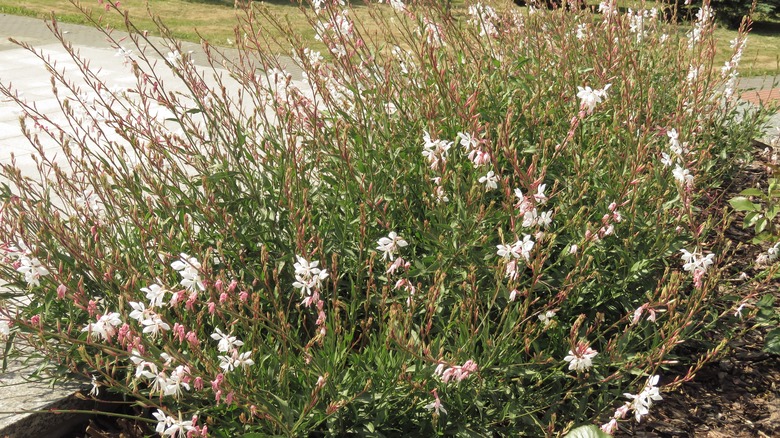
478,220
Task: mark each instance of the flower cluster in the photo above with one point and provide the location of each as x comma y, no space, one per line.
526,207
768,257
308,277
435,150
703,20
485,17
642,402
521,249
589,97
105,327
189,269
32,268
233,359
457,373
695,261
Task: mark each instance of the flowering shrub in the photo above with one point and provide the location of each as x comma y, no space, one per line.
476,227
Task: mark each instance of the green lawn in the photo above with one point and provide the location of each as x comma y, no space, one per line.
216,19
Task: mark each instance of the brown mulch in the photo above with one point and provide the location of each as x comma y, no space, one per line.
737,395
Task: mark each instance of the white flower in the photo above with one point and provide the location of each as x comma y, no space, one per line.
189,269
244,360
308,276
139,312
607,7
105,327
153,325
169,426
173,56
530,218
435,150
524,247
642,402
457,373
696,261
467,141
589,97
545,219
546,318
178,380
682,176
769,256
226,342
540,197
490,181
504,251
155,294
519,249
582,31
95,390
581,359
90,202
32,269
389,245
229,363
124,53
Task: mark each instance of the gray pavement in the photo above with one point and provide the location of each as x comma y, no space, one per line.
30,78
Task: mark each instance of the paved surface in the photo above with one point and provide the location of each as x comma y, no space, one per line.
27,74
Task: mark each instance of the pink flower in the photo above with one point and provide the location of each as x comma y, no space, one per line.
436,405
458,373
610,427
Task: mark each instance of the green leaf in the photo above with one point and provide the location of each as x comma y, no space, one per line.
751,192
740,203
772,211
589,431
8,344
772,341
761,224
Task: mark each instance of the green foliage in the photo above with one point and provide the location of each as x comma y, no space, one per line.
760,215
589,431
447,236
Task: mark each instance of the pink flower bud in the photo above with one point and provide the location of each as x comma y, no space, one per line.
192,339
61,290
92,307
232,286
